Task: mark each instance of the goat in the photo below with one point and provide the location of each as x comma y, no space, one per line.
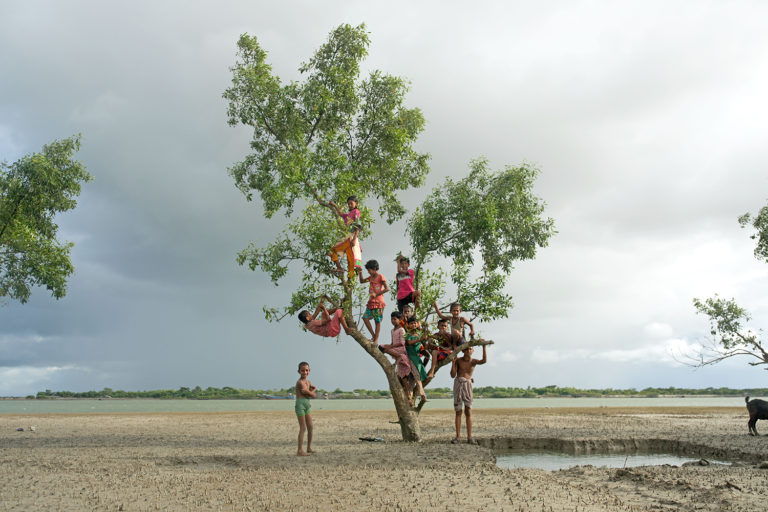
758,410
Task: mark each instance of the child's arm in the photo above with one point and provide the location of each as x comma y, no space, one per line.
305,389
311,390
335,207
384,288
318,309
439,313
471,327
360,275
397,269
413,341
484,359
454,368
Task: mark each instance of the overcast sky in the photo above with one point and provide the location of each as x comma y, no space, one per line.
647,120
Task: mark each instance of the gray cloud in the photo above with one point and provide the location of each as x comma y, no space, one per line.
646,121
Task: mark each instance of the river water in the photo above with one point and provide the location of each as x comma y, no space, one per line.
22,406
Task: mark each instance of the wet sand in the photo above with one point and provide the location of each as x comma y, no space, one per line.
246,461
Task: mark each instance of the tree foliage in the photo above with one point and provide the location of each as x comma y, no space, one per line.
760,223
493,217
730,336
728,321
32,191
323,139
334,134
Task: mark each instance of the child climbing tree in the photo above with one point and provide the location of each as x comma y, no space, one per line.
333,135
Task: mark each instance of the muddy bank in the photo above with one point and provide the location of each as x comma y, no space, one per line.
245,461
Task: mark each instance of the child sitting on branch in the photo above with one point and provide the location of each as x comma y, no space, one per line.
458,322
350,244
447,341
409,375
413,340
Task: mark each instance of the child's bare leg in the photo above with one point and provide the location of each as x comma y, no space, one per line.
302,429
376,334
432,366
309,433
350,260
416,298
408,392
335,259
468,414
422,393
458,424
387,349
370,328
344,324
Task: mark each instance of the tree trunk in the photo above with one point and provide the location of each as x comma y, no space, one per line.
407,415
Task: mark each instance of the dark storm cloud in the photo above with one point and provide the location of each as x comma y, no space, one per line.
646,121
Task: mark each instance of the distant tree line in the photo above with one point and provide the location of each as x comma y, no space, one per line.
229,393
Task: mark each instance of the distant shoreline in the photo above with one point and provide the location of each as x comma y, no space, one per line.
539,397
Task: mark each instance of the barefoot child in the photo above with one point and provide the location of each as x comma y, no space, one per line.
413,339
304,391
406,293
447,341
409,376
329,323
458,322
350,244
407,313
374,309
461,371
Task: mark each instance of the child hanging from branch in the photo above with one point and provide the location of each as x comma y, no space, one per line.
350,244
325,323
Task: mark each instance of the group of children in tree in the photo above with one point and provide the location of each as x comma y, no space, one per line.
412,346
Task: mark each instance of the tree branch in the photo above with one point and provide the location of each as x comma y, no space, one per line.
314,127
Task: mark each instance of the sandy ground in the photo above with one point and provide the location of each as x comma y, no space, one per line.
246,461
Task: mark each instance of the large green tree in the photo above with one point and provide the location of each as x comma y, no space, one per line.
32,191
335,134
731,335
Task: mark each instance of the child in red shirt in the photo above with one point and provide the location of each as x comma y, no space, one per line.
377,287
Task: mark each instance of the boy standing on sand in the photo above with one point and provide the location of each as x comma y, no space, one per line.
304,391
461,371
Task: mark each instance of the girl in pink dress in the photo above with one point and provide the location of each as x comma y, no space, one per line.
407,372
324,323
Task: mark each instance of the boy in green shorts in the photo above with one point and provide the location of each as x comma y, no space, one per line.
304,391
